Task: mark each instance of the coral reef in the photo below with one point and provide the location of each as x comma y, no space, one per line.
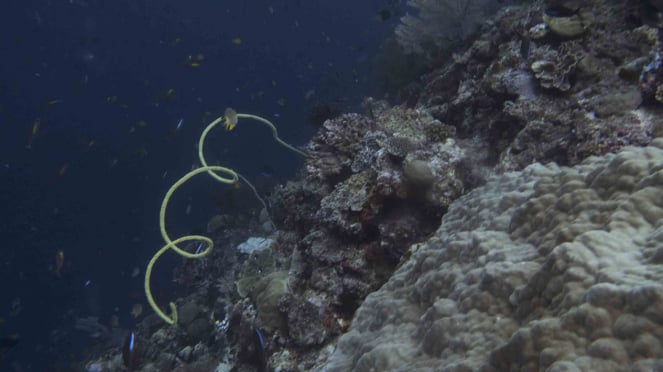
550,267
390,251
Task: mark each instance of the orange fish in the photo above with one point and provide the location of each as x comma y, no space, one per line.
35,126
63,169
59,261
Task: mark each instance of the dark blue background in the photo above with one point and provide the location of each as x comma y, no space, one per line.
103,216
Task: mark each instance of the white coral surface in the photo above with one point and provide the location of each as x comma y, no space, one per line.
551,268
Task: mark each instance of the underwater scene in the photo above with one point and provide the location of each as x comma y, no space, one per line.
378,185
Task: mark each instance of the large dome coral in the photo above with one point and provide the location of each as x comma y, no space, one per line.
551,267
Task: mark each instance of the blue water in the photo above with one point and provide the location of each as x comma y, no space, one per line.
108,81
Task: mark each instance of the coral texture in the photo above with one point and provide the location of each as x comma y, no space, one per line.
532,95
551,267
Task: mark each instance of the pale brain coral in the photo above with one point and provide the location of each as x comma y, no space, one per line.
551,268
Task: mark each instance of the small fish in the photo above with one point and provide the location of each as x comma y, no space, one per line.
167,95
230,119
194,61
199,248
179,124
132,342
63,169
261,341
59,262
130,352
136,310
260,350
35,126
87,283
